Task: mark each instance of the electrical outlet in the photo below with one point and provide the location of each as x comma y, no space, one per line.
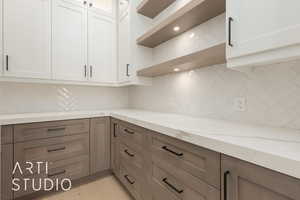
240,104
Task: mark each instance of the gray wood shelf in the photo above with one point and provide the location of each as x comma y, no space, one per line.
151,8
206,57
192,14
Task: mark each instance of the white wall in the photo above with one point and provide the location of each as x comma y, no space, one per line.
23,98
272,94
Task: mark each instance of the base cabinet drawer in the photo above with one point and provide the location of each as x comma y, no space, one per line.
73,168
131,180
28,132
245,181
172,183
51,149
6,171
199,162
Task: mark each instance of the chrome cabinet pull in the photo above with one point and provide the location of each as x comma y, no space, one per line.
7,64
127,70
171,151
91,71
85,71
229,31
225,184
165,180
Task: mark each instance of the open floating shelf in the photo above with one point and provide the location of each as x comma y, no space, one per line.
206,57
151,8
192,14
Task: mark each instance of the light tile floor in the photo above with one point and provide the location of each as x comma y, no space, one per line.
107,188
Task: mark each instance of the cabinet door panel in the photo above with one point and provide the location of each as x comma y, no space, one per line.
258,27
102,47
27,38
69,40
100,144
124,48
246,181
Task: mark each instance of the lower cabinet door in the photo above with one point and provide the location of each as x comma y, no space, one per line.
244,181
100,144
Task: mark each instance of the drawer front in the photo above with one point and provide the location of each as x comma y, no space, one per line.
171,183
130,178
199,162
73,168
131,155
131,133
6,134
27,132
48,150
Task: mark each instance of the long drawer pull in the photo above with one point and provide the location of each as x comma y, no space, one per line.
129,154
128,131
165,180
57,149
128,179
56,129
115,129
171,151
57,173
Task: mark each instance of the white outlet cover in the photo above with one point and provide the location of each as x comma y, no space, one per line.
240,104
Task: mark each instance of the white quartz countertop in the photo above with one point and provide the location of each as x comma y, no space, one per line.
274,148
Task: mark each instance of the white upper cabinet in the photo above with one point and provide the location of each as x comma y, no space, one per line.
124,41
69,40
27,38
262,32
102,48
104,5
1,44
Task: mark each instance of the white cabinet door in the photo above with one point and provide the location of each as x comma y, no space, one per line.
27,38
69,51
102,6
1,44
262,31
102,48
124,48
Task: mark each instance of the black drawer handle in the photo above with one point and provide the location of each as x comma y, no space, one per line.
56,129
171,151
57,149
128,131
129,181
225,184
129,154
115,129
57,173
165,180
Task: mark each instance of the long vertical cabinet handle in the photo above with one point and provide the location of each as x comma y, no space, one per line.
6,61
225,184
127,70
91,71
85,71
230,20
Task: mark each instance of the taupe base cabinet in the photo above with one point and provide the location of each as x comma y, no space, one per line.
73,149
150,165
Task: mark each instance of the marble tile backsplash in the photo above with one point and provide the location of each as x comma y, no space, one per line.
272,94
28,98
